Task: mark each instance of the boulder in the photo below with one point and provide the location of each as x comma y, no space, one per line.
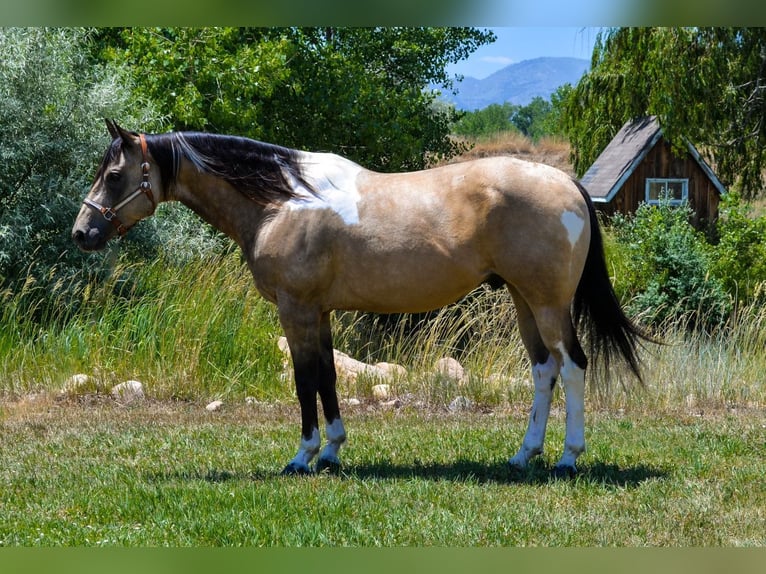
128,392
214,406
450,369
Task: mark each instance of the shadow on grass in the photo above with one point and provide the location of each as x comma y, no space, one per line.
537,473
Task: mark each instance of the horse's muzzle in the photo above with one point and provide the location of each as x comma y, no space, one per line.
89,239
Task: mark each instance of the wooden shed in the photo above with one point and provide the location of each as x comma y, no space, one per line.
639,166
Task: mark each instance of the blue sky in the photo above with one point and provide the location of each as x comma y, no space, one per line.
525,43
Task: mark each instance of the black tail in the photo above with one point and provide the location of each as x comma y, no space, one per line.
609,330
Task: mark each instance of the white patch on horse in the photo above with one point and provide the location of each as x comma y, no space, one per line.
307,451
333,179
544,375
574,224
336,436
573,381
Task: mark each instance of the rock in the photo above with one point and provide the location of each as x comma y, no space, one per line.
451,369
392,404
77,384
460,404
391,370
214,406
381,392
128,392
351,402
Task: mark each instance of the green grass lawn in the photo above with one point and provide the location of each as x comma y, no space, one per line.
90,473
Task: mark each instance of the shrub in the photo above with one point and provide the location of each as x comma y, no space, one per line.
740,250
666,268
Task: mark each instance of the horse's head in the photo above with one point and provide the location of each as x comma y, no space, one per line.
122,192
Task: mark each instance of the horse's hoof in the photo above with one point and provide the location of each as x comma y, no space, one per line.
564,471
328,466
294,469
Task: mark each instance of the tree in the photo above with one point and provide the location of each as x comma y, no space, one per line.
704,84
493,119
360,92
51,107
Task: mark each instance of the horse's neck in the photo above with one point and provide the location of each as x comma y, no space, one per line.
219,204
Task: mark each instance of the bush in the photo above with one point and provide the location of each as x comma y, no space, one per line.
665,268
740,251
52,103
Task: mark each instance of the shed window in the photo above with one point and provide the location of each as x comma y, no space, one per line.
670,191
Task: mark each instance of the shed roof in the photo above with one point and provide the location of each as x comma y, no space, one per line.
624,153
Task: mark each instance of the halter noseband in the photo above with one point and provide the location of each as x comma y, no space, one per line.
145,187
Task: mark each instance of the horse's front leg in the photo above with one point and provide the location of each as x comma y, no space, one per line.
335,432
308,335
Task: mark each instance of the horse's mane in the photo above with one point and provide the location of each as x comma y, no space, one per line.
261,171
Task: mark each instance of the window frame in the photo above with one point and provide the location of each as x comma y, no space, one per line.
684,190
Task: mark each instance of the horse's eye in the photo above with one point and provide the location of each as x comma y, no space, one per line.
113,177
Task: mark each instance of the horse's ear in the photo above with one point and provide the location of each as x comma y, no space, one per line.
111,125
129,139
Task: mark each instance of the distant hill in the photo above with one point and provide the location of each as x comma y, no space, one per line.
517,83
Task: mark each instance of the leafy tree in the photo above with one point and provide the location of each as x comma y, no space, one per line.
705,84
356,91
495,118
51,105
530,119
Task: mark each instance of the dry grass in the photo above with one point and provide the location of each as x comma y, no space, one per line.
548,150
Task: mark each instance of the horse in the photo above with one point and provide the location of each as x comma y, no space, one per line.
321,233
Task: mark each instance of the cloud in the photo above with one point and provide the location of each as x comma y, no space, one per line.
500,60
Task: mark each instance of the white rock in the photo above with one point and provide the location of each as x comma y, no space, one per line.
76,384
351,402
214,406
128,392
451,369
381,392
391,370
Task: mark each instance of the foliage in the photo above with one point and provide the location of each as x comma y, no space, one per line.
51,102
704,84
495,118
740,251
355,91
537,119
666,264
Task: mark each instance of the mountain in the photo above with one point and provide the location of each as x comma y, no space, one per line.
517,83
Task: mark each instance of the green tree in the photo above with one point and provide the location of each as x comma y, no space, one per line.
51,107
704,84
495,118
530,119
360,92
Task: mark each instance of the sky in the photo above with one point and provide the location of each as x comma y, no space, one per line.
517,44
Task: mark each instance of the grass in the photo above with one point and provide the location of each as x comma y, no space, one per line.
677,463
172,474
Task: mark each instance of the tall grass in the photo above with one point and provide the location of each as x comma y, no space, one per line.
201,331
185,332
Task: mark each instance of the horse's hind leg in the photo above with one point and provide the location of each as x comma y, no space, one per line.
545,371
334,430
559,335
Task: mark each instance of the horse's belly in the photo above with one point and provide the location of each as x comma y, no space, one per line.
402,288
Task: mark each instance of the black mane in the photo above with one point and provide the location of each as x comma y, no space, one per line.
261,171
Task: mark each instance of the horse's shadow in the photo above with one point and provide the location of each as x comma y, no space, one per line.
538,472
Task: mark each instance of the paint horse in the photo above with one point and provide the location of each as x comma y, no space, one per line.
320,233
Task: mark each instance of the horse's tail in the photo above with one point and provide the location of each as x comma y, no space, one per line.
597,308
